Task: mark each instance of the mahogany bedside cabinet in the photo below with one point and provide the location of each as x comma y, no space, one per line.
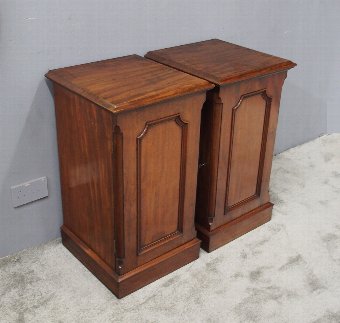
128,141
239,120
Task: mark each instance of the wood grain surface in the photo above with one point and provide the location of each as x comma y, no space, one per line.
126,83
220,62
128,174
239,120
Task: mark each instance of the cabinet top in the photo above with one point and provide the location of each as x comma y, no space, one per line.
220,62
126,83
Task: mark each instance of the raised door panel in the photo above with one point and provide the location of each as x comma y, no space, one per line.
249,127
160,154
161,157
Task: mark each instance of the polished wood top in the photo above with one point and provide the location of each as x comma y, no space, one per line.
126,83
220,62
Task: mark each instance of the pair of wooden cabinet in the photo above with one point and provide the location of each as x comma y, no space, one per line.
153,149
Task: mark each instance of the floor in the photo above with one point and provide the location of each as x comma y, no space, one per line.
286,271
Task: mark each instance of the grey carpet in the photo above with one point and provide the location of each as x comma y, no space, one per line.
286,271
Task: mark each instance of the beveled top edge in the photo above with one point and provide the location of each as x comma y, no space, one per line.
187,84
159,56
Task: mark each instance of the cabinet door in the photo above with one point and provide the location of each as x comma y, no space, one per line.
250,111
160,167
247,148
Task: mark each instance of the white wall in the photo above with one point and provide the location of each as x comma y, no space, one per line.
332,57
37,35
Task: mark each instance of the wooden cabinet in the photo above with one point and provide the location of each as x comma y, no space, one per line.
128,140
239,120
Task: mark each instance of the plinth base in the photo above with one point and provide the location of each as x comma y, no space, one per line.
220,236
138,277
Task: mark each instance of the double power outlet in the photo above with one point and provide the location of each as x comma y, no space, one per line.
30,191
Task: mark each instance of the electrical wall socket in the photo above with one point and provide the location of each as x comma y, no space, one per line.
30,191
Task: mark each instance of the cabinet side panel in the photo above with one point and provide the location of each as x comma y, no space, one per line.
85,157
208,158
